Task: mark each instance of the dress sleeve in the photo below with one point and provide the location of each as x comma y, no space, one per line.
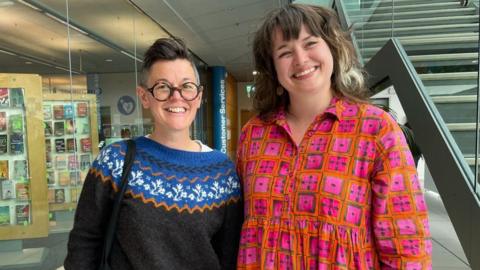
226,241
399,212
93,212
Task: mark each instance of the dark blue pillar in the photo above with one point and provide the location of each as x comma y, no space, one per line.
219,109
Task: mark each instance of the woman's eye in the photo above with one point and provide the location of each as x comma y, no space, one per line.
311,44
162,87
284,54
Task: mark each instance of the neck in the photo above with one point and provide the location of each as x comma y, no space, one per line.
303,108
175,140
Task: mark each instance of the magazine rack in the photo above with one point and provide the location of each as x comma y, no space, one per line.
23,200
71,139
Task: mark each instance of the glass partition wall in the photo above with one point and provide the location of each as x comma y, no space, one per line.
68,72
441,40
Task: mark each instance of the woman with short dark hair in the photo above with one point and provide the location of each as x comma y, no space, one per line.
182,207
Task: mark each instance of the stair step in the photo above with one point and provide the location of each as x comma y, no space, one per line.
462,126
417,30
449,59
449,76
414,14
417,22
405,8
471,160
457,109
454,99
464,135
427,43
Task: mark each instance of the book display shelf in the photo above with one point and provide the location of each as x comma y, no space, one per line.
23,193
71,140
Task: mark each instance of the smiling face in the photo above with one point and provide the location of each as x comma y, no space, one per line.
175,114
303,65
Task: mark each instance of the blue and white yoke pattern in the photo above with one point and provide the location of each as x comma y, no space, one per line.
172,178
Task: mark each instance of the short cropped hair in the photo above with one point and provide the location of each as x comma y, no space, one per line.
347,78
166,49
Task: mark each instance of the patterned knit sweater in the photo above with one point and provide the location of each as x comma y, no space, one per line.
182,210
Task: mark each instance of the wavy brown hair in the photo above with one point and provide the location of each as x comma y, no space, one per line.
348,76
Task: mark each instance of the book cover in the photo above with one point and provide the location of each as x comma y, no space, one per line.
75,178
86,144
63,178
3,144
48,128
22,214
48,159
86,128
3,169
74,194
16,144
58,112
21,190
16,123
47,112
20,170
68,111
60,163
3,121
51,195
5,215
73,162
70,127
60,145
59,128
82,109
48,145
16,97
4,100
51,177
59,195
84,162
71,142
8,190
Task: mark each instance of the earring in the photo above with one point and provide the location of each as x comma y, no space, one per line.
280,91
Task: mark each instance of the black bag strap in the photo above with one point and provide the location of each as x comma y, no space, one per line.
112,223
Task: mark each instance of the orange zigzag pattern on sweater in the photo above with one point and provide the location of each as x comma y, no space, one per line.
105,179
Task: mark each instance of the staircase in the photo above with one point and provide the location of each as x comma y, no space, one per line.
441,40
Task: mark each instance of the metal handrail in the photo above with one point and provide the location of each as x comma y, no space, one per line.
449,169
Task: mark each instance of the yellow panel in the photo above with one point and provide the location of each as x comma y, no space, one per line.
32,85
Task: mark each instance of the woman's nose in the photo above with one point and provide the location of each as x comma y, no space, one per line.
300,56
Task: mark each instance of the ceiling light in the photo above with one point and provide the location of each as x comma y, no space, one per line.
131,56
9,53
53,17
108,60
255,73
29,5
28,63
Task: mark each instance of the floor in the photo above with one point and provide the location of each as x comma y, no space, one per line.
447,251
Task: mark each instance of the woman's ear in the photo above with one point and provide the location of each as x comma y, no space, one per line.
143,96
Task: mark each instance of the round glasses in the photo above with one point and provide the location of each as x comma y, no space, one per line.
162,91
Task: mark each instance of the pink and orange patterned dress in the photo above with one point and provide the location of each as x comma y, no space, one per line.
347,197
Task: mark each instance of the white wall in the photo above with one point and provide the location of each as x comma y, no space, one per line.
114,86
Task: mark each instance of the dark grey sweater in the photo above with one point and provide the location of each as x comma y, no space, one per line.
182,210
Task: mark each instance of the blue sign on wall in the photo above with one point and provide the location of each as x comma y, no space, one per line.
126,105
220,109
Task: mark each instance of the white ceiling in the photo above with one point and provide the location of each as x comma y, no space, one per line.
219,32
